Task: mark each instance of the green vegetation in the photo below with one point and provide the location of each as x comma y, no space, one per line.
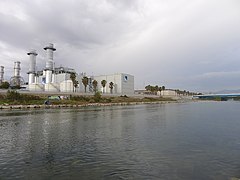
155,89
85,83
103,83
185,93
16,98
95,83
97,97
75,82
4,85
111,87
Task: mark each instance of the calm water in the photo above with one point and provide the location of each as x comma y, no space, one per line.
171,141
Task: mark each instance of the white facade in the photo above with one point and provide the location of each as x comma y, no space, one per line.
59,83
167,92
66,86
122,83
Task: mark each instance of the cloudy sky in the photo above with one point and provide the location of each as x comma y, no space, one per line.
182,44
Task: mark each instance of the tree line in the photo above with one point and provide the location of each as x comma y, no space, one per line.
155,89
85,82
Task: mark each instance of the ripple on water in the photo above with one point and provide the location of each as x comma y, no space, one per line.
190,141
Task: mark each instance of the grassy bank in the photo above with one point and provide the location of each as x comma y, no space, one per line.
16,98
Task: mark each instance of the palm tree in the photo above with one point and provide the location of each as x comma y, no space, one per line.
163,89
148,87
160,89
111,86
85,82
73,78
103,82
152,89
156,89
75,84
95,83
178,92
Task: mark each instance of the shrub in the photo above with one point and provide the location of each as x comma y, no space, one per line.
80,98
107,100
4,85
13,95
97,97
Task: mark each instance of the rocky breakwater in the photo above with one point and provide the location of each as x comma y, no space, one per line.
9,107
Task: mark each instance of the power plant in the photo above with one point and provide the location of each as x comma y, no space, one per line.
58,79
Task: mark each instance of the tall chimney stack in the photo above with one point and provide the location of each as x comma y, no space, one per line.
49,63
17,68
32,66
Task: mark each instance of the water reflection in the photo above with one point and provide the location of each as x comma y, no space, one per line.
166,141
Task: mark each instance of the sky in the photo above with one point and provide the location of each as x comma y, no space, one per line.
180,44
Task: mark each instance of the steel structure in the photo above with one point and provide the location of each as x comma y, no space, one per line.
16,80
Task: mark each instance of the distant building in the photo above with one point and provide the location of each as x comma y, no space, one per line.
167,92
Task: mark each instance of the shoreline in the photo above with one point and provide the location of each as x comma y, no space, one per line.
43,106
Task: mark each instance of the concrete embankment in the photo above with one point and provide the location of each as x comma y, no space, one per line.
9,107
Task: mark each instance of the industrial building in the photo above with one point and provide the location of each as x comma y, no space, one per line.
50,79
122,83
167,92
16,80
57,79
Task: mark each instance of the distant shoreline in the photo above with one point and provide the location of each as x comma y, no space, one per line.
11,100
53,106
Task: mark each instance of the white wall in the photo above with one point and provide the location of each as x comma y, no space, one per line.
127,84
168,93
66,86
123,83
61,77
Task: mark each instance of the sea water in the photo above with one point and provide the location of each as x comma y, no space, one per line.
198,140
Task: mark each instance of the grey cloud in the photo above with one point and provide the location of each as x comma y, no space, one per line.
80,23
161,42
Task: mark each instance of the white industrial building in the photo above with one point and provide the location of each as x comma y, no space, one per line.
50,78
122,83
57,79
167,92
16,80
